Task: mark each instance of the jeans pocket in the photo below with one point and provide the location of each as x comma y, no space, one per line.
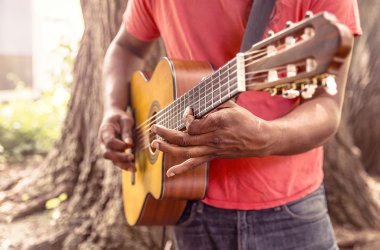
190,214
311,207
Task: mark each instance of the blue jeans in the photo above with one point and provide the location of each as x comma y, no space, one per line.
302,224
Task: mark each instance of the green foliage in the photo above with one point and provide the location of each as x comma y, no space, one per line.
31,126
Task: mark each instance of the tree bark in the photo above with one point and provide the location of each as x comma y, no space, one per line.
352,157
93,217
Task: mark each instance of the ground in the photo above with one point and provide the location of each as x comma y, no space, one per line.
40,231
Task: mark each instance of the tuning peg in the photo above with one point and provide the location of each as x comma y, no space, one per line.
291,70
271,91
309,14
290,93
308,91
288,24
270,33
329,84
311,64
272,75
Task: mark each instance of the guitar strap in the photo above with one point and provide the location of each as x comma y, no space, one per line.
258,20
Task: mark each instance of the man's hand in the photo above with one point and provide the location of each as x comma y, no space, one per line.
229,132
115,135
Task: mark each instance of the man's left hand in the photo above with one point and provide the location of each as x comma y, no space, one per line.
229,132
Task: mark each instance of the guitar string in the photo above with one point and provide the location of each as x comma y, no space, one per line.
139,128
142,135
177,102
259,55
145,133
205,79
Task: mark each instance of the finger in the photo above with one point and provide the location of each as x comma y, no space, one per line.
176,137
116,156
183,152
106,132
115,144
184,139
211,122
108,138
126,123
188,117
227,104
187,165
126,166
167,134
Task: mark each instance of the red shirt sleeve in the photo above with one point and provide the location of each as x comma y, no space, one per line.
345,10
139,20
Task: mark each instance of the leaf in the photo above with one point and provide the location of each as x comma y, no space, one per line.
52,203
62,197
25,197
55,202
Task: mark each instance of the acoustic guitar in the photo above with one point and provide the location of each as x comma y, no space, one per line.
291,63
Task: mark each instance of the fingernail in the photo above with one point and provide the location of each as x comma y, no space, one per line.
153,128
155,145
128,141
171,174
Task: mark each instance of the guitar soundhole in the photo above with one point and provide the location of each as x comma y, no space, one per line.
152,152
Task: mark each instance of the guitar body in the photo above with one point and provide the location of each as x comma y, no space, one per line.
150,197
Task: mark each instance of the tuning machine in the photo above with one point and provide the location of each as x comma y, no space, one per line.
290,93
309,14
329,85
308,91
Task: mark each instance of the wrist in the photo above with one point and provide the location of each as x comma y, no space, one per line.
272,134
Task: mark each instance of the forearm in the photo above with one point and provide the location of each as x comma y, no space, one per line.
124,56
308,126
119,65
312,123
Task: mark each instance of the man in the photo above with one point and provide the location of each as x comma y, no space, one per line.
265,152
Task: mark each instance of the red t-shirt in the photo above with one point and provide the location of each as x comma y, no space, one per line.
212,31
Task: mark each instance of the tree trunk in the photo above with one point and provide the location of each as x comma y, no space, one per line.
94,213
93,217
353,195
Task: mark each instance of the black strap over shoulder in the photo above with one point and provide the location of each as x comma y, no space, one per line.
257,22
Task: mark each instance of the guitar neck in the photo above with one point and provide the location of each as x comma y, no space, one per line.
213,90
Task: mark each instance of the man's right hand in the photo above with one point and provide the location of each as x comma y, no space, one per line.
115,135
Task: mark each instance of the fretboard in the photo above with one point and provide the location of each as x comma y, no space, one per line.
208,94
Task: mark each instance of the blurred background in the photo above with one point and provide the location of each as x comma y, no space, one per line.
56,191
38,43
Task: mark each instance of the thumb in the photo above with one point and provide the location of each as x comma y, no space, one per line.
126,124
227,104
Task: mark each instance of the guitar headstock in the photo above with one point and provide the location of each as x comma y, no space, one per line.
298,59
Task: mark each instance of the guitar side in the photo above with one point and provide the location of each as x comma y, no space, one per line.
153,198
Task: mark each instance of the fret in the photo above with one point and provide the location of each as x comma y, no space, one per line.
207,95
219,87
228,79
224,83
231,79
161,117
204,93
198,100
212,90
180,111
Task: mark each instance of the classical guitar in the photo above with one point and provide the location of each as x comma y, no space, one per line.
291,63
